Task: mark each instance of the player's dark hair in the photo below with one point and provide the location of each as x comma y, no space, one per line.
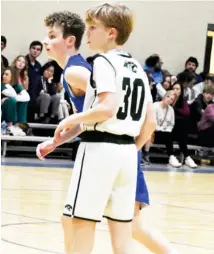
70,23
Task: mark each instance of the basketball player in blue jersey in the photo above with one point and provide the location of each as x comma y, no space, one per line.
65,31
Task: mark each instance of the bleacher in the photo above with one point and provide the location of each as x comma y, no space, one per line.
29,143
20,143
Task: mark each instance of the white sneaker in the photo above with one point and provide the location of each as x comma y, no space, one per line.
190,162
12,130
173,161
20,132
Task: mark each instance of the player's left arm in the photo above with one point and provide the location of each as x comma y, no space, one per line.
104,75
147,128
150,123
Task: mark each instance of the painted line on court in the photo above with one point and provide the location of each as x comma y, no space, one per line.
54,252
148,169
151,192
30,217
188,208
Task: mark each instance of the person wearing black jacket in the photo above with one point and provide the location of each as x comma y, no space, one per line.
48,100
4,61
201,102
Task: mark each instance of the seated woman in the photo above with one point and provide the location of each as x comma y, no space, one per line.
206,127
48,100
165,122
180,130
20,65
187,79
14,102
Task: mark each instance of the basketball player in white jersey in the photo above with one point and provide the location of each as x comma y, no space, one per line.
130,64
104,176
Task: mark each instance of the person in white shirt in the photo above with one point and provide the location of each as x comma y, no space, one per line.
198,88
165,118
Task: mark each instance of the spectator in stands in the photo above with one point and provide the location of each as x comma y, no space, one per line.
20,65
153,64
180,130
165,117
4,61
187,79
64,106
14,101
48,100
191,65
173,79
201,102
34,70
198,88
163,87
206,127
57,71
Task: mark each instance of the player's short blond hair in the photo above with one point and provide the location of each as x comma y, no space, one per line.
117,16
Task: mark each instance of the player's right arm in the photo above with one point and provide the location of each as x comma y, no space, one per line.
77,77
49,146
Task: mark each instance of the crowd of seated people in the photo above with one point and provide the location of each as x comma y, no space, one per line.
32,91
183,102
192,96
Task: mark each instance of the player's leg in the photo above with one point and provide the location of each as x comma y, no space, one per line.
75,230
143,233
150,238
121,236
120,208
91,184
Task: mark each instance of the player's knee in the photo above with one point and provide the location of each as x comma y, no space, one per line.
117,248
120,248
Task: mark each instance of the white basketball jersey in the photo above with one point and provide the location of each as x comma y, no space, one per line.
130,84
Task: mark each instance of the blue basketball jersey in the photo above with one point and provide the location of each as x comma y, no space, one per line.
76,60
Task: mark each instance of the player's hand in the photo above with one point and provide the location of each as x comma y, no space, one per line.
63,126
45,148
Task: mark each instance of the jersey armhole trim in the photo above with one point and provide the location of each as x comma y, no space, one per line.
108,62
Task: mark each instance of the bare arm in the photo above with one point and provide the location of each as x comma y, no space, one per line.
25,82
104,110
66,136
106,99
77,77
147,128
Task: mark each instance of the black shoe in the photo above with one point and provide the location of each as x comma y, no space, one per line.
146,159
54,120
46,120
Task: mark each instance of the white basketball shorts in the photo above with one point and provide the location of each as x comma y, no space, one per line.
103,182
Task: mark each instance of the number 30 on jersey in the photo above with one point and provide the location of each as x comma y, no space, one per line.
134,97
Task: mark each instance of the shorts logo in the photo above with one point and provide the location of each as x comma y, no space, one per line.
68,207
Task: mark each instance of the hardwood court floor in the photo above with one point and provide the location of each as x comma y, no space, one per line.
33,197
